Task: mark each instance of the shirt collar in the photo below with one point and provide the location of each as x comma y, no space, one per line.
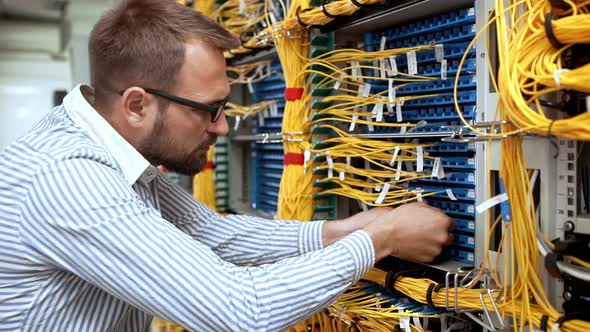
131,162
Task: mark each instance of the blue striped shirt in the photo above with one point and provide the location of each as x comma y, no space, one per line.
93,238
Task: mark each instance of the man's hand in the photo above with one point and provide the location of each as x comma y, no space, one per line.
335,230
415,232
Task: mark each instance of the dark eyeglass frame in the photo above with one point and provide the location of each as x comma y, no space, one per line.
214,109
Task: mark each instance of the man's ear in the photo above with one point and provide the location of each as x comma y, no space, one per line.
135,105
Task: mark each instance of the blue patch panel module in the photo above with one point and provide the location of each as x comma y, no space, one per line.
455,191
268,157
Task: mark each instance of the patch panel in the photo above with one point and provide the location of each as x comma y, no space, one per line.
457,17
435,113
456,178
456,34
444,148
464,241
274,83
454,207
268,158
465,82
464,225
462,194
464,256
453,163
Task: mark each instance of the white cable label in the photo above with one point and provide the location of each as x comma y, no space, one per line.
330,173
379,110
265,113
348,161
588,103
393,66
439,52
484,206
370,126
306,158
412,62
404,322
355,117
398,111
417,323
250,86
403,129
341,175
394,157
419,159
367,90
357,70
237,123
390,108
435,167
329,160
382,44
398,171
378,187
391,92
242,7
383,194
443,69
260,119
382,67
451,195
361,90
338,82
418,192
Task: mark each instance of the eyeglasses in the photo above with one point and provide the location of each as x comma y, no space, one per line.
214,109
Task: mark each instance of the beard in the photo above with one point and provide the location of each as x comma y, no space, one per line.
160,149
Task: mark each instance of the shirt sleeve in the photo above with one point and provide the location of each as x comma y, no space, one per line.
242,240
81,216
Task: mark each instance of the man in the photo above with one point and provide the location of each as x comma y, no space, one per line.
95,239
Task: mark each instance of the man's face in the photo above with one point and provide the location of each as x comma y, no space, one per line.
182,136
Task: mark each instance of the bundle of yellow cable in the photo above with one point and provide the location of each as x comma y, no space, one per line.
295,194
531,66
250,72
235,110
240,16
469,299
204,182
339,7
206,7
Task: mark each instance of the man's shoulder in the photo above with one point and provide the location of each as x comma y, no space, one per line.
58,141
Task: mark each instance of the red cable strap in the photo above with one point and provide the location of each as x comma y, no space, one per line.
294,159
209,165
293,93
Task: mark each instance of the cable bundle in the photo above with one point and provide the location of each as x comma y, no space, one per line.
250,73
204,182
235,110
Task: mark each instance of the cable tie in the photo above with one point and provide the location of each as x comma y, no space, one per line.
550,127
557,77
549,31
543,325
429,294
304,25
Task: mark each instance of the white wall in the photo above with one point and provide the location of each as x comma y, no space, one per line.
27,84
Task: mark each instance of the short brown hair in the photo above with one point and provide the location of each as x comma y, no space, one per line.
141,43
